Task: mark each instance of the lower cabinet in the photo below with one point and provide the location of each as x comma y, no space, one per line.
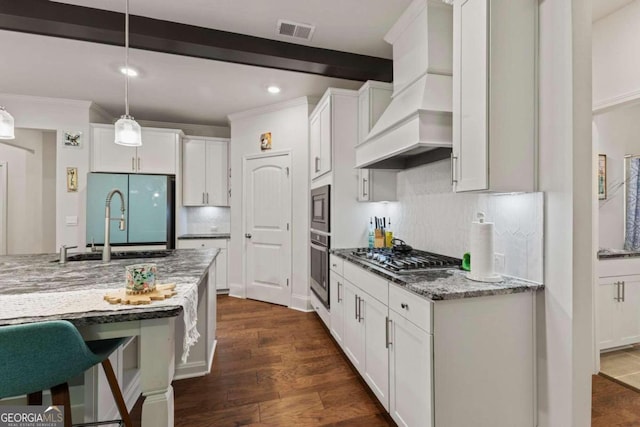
618,311
353,343
221,260
336,296
410,372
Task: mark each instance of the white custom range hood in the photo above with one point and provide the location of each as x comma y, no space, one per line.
416,127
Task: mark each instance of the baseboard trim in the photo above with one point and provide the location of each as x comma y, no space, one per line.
237,290
301,303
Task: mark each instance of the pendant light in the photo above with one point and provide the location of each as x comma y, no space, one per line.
128,131
6,124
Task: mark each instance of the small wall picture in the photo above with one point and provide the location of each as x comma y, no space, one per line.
265,141
72,180
72,139
602,176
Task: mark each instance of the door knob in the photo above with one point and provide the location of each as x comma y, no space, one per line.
247,235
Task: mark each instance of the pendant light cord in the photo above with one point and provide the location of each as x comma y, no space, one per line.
126,59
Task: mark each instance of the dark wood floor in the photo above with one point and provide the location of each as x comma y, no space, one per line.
277,367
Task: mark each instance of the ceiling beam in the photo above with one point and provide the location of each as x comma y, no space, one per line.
53,19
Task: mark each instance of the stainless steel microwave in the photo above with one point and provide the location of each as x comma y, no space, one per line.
320,209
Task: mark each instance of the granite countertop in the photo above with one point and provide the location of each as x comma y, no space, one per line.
205,236
31,275
444,284
617,253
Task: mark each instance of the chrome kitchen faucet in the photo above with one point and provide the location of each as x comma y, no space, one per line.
106,250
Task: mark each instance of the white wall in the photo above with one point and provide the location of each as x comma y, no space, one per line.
288,124
616,63
566,175
31,188
617,134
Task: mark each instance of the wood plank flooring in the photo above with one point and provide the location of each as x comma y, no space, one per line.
274,367
614,405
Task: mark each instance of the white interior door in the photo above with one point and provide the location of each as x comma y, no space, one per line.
267,214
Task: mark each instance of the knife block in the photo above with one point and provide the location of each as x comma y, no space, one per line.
378,242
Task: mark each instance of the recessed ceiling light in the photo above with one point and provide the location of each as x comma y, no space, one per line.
129,71
273,89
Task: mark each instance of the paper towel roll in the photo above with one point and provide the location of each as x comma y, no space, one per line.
482,253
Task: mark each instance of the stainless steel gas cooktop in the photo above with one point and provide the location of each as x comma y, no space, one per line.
413,261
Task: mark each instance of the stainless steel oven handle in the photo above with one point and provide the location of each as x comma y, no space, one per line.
319,247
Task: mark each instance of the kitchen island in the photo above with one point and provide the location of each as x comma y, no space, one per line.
436,348
36,288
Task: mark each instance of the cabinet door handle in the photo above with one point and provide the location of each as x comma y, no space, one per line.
203,198
364,187
404,305
317,165
207,198
139,164
339,299
453,169
623,289
360,318
386,326
617,297
133,164
356,309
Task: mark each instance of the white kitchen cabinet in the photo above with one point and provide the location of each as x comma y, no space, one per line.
205,171
374,185
157,155
373,316
618,311
320,138
353,343
221,260
336,295
494,96
410,372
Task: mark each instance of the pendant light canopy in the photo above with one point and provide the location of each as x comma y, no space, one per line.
6,124
128,131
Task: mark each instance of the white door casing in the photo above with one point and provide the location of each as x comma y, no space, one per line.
4,199
267,232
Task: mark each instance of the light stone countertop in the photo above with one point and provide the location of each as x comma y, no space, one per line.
37,274
443,284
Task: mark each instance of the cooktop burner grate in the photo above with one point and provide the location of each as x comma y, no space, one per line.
409,262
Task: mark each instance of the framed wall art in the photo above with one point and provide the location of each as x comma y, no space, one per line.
602,176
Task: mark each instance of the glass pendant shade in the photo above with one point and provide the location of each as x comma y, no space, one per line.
6,125
128,132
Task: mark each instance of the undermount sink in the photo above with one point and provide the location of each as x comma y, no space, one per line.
97,256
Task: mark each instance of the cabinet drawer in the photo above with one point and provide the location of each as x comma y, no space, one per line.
412,307
368,282
336,264
202,243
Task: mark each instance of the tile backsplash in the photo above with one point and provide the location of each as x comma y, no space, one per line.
207,219
429,216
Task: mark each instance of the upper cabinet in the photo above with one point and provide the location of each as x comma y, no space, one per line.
205,171
157,155
374,185
494,88
320,138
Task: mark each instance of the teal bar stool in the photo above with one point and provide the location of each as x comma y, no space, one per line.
45,355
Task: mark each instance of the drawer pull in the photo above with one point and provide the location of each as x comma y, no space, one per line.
404,305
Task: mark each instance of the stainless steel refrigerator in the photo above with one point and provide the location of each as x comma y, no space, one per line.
149,209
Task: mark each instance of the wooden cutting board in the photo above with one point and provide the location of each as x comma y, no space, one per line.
121,296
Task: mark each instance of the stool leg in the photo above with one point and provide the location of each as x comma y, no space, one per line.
60,396
34,398
117,394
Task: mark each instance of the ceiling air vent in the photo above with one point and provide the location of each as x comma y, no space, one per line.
295,30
